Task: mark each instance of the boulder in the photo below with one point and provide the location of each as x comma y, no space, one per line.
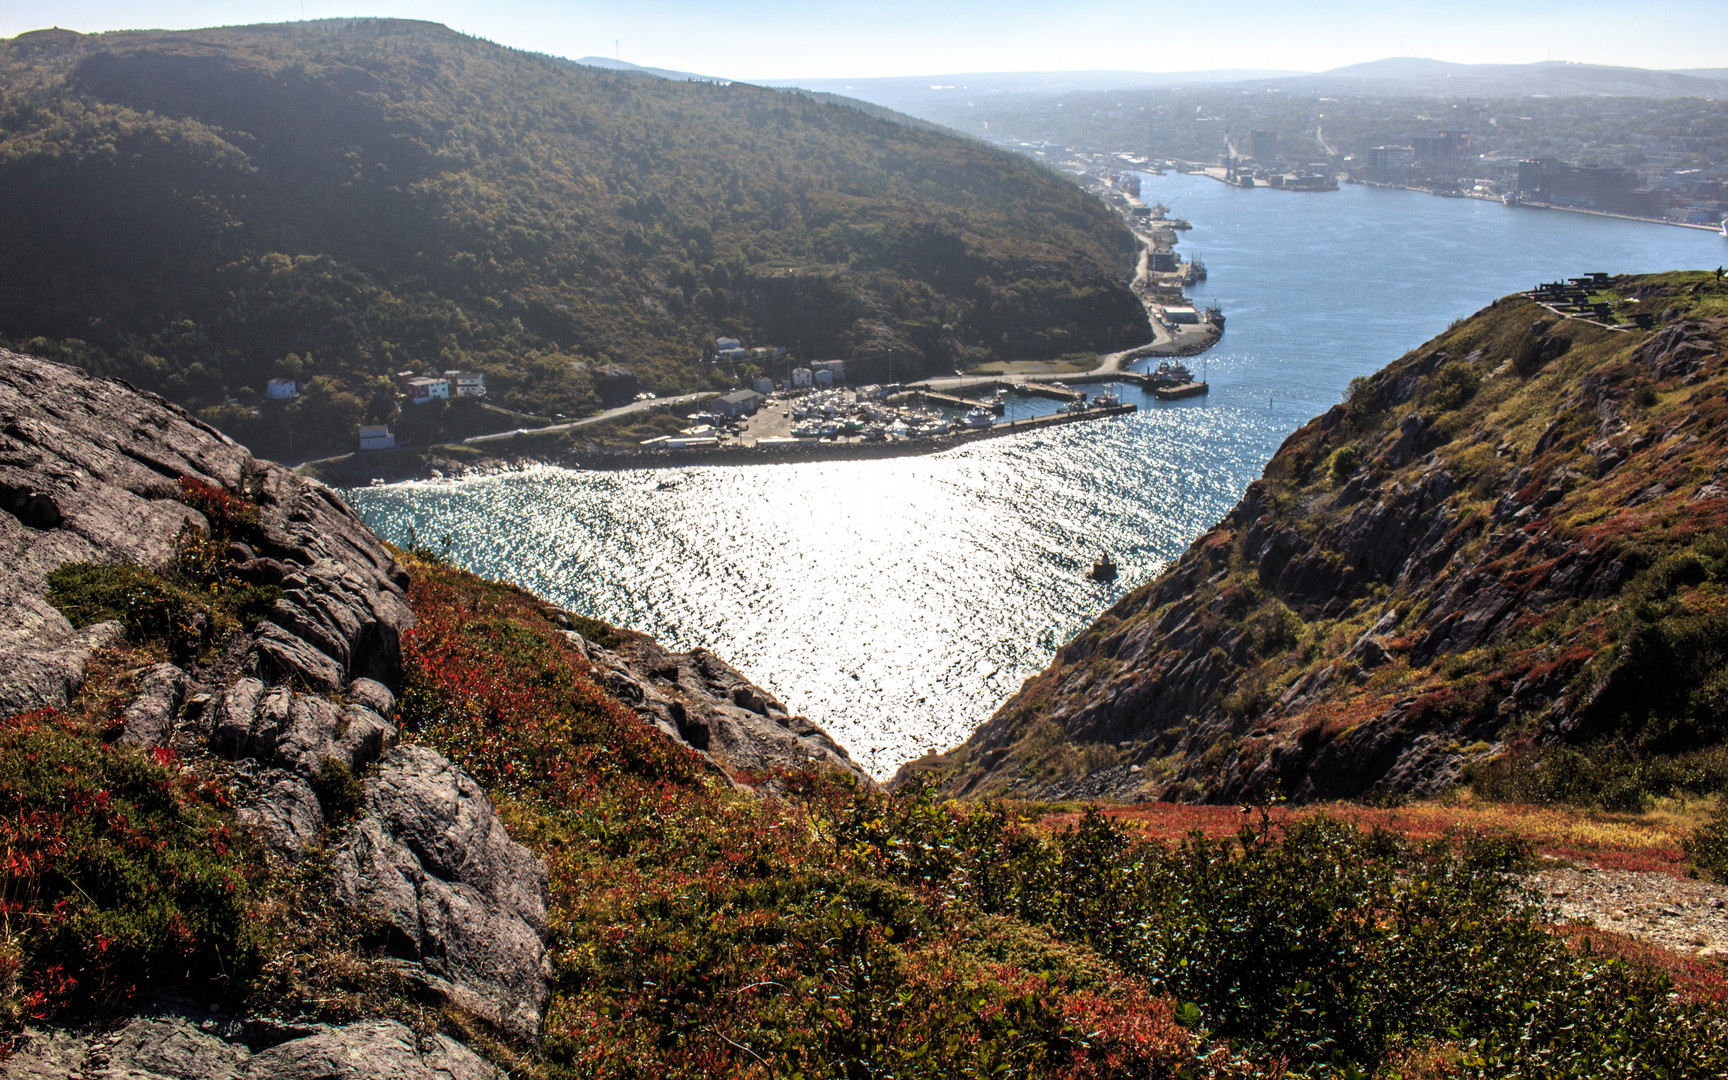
150,718
430,859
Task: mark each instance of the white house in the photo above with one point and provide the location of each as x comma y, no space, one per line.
801,377
422,389
376,437
762,385
824,378
836,368
466,384
282,388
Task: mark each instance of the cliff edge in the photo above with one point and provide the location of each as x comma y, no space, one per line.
1510,538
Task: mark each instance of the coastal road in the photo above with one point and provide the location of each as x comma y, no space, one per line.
608,414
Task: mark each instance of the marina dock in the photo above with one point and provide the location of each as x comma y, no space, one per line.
1180,390
931,397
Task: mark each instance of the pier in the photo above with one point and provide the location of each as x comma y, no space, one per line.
955,402
1046,390
1180,390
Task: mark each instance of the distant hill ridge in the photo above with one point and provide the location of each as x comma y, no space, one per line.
336,201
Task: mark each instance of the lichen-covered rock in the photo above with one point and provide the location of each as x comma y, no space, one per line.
429,857
174,1046
150,718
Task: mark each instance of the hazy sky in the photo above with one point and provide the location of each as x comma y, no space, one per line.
781,39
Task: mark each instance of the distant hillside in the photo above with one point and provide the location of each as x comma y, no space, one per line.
1416,76
335,201
1505,556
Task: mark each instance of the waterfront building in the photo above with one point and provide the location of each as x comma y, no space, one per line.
376,437
738,403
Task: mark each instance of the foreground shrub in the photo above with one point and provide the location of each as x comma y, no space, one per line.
120,873
839,931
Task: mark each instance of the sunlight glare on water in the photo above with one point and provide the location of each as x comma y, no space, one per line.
899,602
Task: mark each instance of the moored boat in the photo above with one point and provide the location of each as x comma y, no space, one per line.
1104,569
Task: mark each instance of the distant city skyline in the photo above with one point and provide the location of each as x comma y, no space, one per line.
779,40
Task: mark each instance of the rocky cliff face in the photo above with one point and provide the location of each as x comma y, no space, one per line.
93,471
1450,562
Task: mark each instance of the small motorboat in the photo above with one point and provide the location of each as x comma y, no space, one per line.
1104,569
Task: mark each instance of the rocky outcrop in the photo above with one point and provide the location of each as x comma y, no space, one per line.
1423,574
707,704
179,1046
464,902
91,471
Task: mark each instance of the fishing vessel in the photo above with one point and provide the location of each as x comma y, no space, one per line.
1104,569
1215,315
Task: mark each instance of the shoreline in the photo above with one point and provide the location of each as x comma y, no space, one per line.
414,466
1213,172
455,460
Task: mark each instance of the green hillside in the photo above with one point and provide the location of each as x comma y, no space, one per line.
1503,560
336,201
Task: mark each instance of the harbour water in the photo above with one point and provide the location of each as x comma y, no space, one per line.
898,602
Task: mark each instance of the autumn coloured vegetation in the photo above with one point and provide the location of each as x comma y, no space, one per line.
811,925
814,927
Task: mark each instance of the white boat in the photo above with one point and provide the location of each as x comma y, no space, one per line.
1105,399
978,418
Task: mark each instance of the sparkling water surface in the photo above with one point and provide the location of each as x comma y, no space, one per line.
899,602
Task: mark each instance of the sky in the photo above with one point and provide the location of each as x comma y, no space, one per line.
779,40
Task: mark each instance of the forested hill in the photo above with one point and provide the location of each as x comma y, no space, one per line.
199,212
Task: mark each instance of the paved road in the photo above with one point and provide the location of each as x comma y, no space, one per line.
622,410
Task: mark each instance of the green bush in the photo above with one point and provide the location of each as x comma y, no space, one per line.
1707,847
1454,384
121,873
148,606
1344,462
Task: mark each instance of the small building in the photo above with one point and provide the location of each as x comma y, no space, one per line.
824,378
802,378
376,437
1163,261
869,393
738,403
281,388
422,389
722,344
836,368
762,385
466,384
1181,315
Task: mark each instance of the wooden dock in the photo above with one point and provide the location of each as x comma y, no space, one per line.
1057,419
933,398
1180,390
1045,390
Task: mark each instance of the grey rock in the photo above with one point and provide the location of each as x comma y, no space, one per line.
281,808
430,858
373,695
174,1046
289,735
708,705
150,718
88,473
375,1050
